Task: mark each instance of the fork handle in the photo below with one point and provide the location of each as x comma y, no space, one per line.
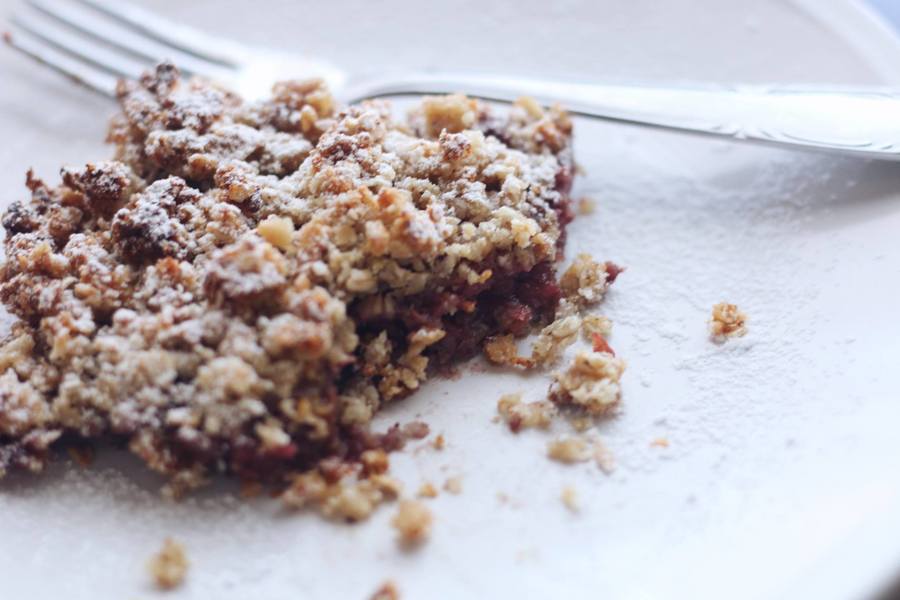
858,121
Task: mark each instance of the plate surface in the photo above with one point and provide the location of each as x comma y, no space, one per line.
782,474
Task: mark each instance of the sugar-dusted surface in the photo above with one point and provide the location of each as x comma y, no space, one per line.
782,447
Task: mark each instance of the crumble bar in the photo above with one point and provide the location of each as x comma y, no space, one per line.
244,285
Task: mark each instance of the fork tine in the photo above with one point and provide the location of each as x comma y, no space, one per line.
76,46
180,37
75,70
145,49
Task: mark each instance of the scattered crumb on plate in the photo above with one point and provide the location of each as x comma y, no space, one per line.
453,485
727,321
439,442
412,521
427,490
387,591
586,206
169,566
604,457
569,497
660,442
569,450
595,324
337,495
590,383
520,415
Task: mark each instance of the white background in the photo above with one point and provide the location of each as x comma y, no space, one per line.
782,476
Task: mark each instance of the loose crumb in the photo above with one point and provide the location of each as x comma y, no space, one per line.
520,415
660,442
553,339
586,206
387,591
374,461
336,495
595,324
453,485
581,422
569,450
727,321
169,566
439,442
585,281
569,498
427,490
502,350
413,522
604,458
590,383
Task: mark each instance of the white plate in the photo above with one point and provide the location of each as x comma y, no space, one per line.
782,476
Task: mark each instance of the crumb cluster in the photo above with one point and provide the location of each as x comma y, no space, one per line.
246,283
412,521
727,321
169,566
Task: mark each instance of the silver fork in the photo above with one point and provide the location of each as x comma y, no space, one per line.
95,42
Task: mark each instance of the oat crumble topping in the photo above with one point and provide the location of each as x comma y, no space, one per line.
245,284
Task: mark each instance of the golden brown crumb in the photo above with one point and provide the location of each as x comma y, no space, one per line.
569,498
727,321
604,457
340,498
595,324
502,350
439,442
580,423
427,490
569,450
590,383
412,521
660,442
520,415
453,485
388,591
374,461
553,339
169,566
586,280
586,206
